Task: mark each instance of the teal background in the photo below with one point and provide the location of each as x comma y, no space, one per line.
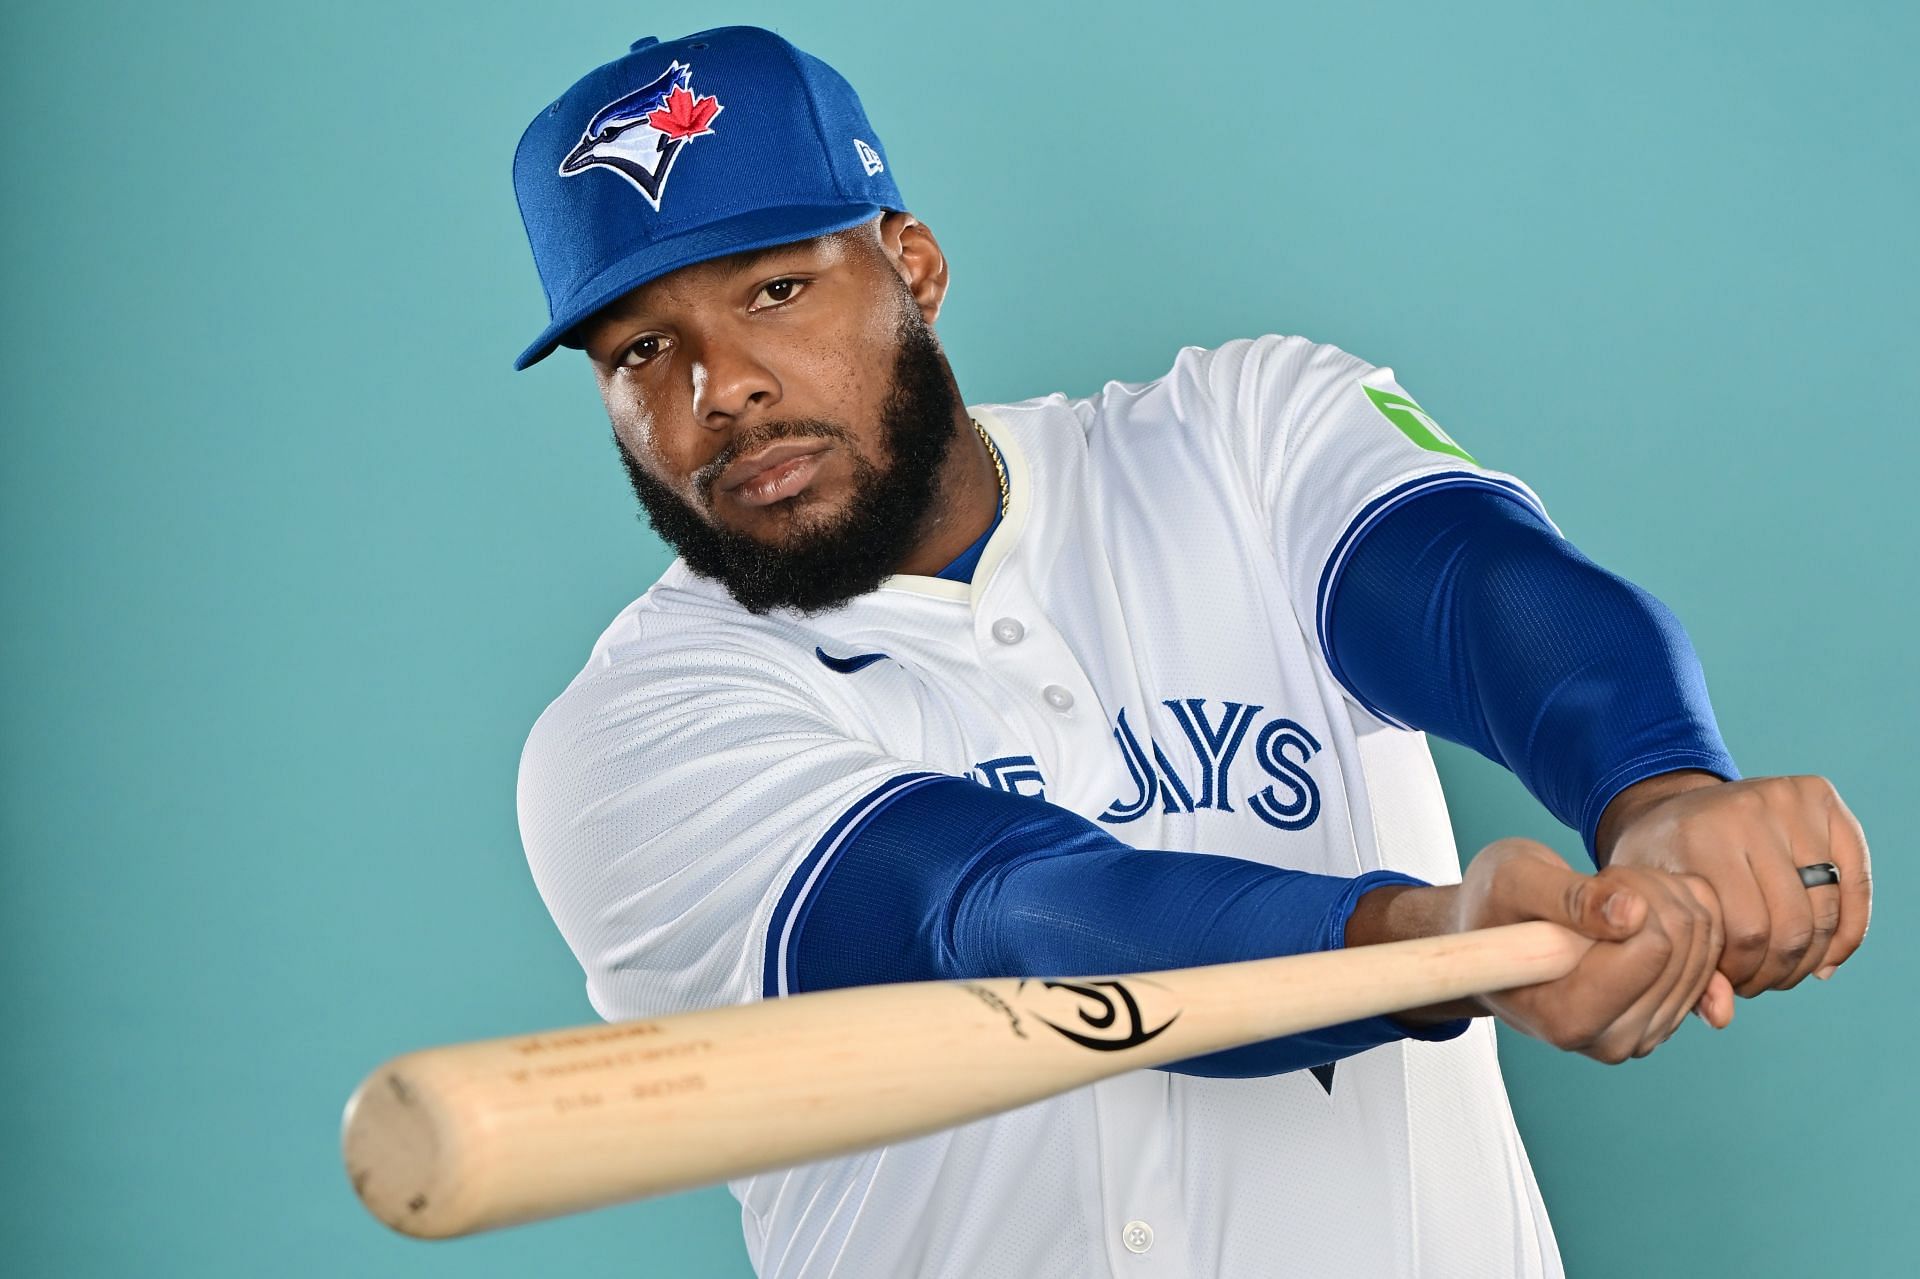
292,559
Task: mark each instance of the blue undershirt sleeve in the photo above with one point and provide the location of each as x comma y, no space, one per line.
952,880
1462,612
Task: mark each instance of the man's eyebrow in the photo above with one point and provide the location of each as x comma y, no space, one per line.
737,264
745,260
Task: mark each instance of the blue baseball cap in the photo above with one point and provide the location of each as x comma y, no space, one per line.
720,141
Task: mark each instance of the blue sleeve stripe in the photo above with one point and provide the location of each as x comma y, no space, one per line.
790,912
1372,513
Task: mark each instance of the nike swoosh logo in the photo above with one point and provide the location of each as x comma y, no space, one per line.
848,665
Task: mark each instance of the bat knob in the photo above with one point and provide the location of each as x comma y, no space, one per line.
394,1139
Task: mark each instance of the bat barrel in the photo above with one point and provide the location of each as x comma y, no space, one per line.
453,1140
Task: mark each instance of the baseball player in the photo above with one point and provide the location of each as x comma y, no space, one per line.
1128,681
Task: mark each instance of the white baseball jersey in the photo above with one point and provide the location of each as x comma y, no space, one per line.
1141,644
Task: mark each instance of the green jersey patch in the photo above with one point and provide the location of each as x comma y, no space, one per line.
1415,424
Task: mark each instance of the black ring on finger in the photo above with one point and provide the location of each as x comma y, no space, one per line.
1819,873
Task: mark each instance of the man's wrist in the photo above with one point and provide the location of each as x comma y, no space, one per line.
1633,801
1400,912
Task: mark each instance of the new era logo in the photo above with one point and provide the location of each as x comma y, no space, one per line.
869,158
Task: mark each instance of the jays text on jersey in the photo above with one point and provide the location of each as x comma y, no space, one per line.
1141,643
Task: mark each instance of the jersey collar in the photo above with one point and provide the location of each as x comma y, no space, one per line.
1005,534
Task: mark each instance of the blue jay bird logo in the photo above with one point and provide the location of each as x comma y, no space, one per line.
639,135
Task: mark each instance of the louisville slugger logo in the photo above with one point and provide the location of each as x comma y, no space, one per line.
1108,1022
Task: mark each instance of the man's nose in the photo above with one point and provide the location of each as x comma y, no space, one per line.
729,383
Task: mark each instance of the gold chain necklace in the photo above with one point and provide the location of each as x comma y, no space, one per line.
999,471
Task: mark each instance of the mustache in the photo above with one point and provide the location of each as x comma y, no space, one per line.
766,433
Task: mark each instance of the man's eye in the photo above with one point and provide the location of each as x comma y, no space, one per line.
778,291
640,352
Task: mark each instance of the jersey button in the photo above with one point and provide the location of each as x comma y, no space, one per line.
1009,631
1057,697
1137,1235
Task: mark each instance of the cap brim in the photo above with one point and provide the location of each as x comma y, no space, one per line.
759,229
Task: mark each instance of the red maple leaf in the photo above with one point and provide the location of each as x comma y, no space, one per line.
683,116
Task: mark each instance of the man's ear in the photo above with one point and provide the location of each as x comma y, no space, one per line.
913,252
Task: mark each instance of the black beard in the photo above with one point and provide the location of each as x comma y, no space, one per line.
827,564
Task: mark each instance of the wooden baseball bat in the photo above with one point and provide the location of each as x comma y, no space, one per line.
448,1141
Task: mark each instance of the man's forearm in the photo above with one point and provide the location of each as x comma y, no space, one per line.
953,880
1463,613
